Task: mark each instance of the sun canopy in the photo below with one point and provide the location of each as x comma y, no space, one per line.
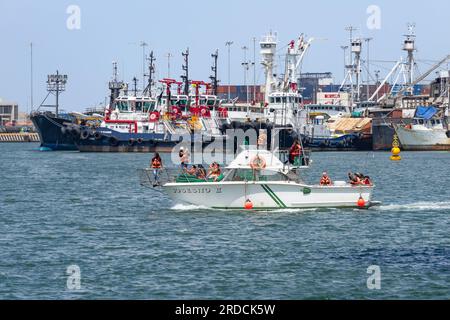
426,112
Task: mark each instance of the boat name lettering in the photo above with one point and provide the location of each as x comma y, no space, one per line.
192,190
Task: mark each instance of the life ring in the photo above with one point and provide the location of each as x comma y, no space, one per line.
258,163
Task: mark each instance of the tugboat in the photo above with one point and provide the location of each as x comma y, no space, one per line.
259,180
145,124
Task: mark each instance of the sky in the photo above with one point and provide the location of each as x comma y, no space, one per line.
112,31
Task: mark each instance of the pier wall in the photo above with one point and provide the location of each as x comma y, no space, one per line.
19,137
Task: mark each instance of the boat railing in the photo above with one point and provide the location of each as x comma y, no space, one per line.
152,178
301,161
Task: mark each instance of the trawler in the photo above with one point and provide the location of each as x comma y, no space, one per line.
426,132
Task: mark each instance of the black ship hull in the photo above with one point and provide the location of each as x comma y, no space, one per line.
383,132
54,132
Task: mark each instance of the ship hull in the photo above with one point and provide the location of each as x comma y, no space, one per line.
423,140
349,142
51,132
383,132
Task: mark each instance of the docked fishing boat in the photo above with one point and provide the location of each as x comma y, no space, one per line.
258,179
425,133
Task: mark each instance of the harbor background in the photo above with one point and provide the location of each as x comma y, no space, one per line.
70,208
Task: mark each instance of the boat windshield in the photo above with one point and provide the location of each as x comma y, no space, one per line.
122,105
255,175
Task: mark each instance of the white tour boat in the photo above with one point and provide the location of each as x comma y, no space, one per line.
257,179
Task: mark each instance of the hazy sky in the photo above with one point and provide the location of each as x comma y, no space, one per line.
112,30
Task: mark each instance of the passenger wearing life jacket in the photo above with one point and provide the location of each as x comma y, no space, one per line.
295,152
354,179
325,181
367,181
156,165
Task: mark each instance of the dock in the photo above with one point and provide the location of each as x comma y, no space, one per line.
19,137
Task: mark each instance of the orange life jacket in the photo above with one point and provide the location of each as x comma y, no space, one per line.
325,181
156,164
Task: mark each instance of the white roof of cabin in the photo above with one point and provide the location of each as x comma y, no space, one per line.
243,159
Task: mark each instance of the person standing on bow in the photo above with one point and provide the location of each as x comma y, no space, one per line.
156,165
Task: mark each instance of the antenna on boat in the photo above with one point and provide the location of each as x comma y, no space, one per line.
151,71
185,68
135,81
213,78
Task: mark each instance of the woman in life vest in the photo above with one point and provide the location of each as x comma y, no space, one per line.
156,165
325,180
367,181
295,152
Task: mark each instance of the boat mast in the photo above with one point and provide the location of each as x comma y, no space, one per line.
268,47
213,78
185,68
151,71
114,85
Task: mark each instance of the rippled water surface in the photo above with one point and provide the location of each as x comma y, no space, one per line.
67,208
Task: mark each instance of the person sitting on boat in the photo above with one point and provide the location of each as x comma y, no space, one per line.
354,179
192,171
156,165
367,181
214,171
201,172
325,181
295,152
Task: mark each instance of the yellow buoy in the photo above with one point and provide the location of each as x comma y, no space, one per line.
395,149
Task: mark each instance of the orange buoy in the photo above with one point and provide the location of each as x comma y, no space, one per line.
248,205
361,202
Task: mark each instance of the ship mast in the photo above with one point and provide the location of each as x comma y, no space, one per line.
185,67
409,47
114,85
268,47
151,72
213,78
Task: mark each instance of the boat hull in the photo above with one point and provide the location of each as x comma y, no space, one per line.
51,134
423,140
267,195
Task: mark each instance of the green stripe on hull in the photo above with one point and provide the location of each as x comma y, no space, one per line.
273,196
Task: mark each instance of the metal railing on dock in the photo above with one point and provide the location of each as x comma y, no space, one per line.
19,137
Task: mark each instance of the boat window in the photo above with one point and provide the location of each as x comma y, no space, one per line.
284,99
272,100
122,105
277,100
432,122
150,105
438,121
210,102
202,102
138,106
420,121
251,175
